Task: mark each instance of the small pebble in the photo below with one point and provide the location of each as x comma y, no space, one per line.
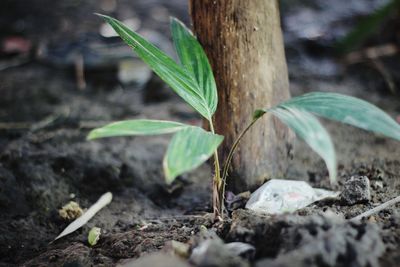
372,219
70,211
377,185
178,249
356,190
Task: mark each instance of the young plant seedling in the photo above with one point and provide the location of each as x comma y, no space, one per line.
193,80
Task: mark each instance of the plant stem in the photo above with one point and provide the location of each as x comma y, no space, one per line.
219,183
218,203
232,151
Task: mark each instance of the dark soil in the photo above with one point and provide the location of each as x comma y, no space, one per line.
45,160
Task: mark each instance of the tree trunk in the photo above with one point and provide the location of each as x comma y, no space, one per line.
243,41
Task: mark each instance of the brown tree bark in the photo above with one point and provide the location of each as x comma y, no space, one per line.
243,41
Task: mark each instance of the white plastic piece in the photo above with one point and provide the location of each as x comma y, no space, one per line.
103,201
279,196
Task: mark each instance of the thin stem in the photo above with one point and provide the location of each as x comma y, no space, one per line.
217,200
217,167
220,183
233,148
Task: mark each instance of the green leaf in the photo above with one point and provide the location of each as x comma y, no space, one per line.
94,236
188,149
367,27
307,127
347,109
258,114
136,127
179,79
195,61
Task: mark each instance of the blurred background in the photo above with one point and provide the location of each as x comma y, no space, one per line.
323,39
63,72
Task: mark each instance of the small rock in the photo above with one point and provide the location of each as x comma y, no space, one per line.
356,190
234,202
261,230
177,248
372,219
213,252
377,185
241,249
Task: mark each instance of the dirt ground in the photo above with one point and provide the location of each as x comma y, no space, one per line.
45,160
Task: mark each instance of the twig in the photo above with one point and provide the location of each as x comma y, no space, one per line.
371,53
380,67
178,217
29,125
92,124
13,63
80,72
15,125
47,121
376,209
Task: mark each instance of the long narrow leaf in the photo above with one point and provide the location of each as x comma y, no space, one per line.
174,75
307,127
347,109
195,61
188,149
136,127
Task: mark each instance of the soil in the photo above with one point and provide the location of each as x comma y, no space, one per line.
45,160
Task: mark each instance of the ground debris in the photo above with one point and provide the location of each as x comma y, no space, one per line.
70,211
328,240
75,254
